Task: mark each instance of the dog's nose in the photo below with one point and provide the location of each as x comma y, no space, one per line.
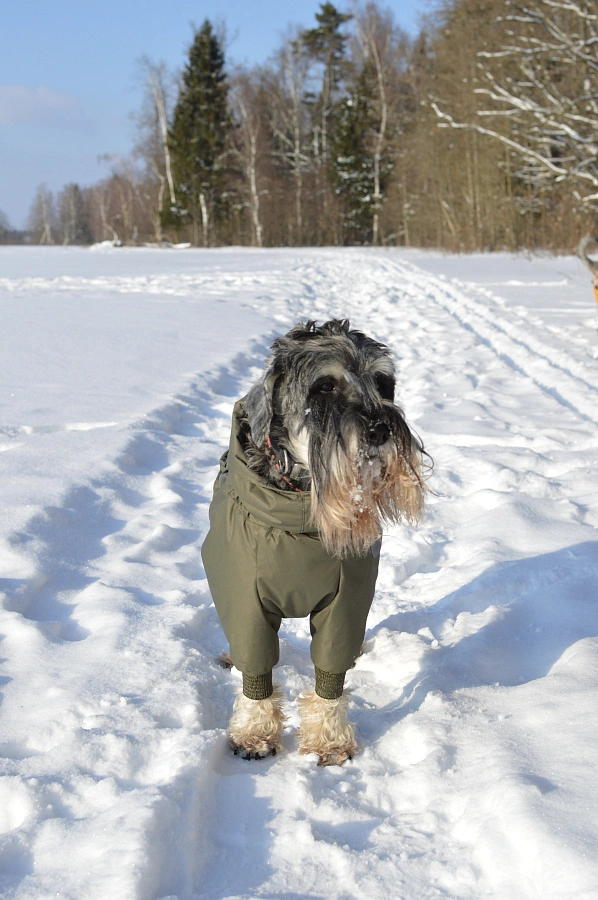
379,434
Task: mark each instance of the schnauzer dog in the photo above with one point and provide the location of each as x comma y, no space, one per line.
320,458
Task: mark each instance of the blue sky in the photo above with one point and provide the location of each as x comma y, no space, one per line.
68,76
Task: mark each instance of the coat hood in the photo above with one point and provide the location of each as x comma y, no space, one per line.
270,506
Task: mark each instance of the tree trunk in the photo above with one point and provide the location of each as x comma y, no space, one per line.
370,48
205,221
255,197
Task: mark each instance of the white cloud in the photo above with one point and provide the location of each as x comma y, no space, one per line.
40,105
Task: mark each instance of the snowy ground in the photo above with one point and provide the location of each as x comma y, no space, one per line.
476,701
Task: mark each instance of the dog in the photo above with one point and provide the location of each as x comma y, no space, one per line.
320,458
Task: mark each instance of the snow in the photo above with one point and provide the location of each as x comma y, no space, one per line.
475,701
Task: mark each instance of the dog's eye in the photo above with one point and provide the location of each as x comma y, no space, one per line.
327,387
386,386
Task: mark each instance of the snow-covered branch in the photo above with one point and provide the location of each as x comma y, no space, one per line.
543,87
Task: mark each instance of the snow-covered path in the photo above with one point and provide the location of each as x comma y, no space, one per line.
475,703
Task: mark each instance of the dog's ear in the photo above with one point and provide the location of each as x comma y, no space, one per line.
259,404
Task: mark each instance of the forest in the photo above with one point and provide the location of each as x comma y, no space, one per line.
479,133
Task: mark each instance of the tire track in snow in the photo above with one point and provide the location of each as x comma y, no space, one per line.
564,380
502,331
169,466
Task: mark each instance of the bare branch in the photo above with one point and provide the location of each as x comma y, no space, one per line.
548,98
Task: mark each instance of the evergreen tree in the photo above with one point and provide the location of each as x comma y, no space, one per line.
73,218
198,136
351,167
326,44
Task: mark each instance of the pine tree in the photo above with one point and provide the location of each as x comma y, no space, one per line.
326,44
198,136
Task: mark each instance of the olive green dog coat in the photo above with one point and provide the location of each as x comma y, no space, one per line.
264,562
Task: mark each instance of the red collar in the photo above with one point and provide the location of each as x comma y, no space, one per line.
277,462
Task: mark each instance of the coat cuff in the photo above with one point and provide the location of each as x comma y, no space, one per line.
257,687
329,685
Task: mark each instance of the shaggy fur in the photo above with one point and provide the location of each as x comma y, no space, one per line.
255,729
323,418
325,730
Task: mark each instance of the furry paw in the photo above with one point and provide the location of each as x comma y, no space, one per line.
245,753
325,730
255,729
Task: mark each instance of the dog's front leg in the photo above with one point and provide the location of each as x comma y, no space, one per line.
324,727
255,729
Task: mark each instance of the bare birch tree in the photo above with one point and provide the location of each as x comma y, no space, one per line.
153,123
101,211
289,119
379,46
72,217
246,139
42,216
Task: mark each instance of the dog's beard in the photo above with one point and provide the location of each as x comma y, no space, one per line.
356,489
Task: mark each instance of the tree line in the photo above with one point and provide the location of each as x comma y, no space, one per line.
479,133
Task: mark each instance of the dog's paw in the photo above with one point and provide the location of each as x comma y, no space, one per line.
336,756
330,756
256,726
324,729
252,753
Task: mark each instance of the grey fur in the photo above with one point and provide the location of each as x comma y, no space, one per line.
324,406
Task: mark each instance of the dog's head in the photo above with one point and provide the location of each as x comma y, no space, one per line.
327,398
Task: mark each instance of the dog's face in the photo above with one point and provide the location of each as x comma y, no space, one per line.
327,398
